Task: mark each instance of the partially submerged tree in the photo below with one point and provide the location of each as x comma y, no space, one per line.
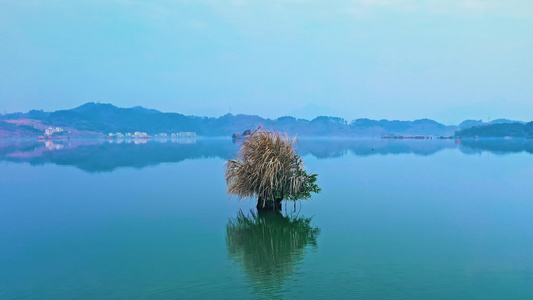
267,167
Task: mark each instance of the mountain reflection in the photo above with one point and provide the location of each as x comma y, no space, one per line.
496,146
107,155
268,245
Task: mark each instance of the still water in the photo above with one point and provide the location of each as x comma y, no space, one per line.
430,219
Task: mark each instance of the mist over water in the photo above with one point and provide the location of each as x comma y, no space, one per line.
396,219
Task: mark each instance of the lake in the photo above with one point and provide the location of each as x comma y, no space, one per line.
396,219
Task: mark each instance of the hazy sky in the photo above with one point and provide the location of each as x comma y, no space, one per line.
443,59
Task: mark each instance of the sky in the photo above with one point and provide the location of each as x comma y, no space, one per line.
448,60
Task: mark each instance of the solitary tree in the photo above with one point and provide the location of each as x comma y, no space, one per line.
267,167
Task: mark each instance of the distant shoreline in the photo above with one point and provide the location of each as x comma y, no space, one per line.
99,120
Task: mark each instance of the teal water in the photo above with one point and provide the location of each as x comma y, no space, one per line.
395,220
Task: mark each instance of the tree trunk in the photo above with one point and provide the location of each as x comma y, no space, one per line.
268,205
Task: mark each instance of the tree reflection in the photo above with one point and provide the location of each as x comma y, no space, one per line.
267,245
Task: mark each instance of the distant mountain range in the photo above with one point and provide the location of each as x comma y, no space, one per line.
99,119
471,123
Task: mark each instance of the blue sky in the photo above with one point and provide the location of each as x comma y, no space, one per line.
448,60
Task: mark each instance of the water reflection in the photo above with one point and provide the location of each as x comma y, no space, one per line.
98,155
327,148
496,146
268,245
108,155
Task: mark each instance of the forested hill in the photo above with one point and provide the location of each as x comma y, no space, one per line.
498,130
105,118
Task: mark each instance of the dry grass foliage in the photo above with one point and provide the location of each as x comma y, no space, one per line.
268,167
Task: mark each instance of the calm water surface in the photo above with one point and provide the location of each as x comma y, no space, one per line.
395,220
